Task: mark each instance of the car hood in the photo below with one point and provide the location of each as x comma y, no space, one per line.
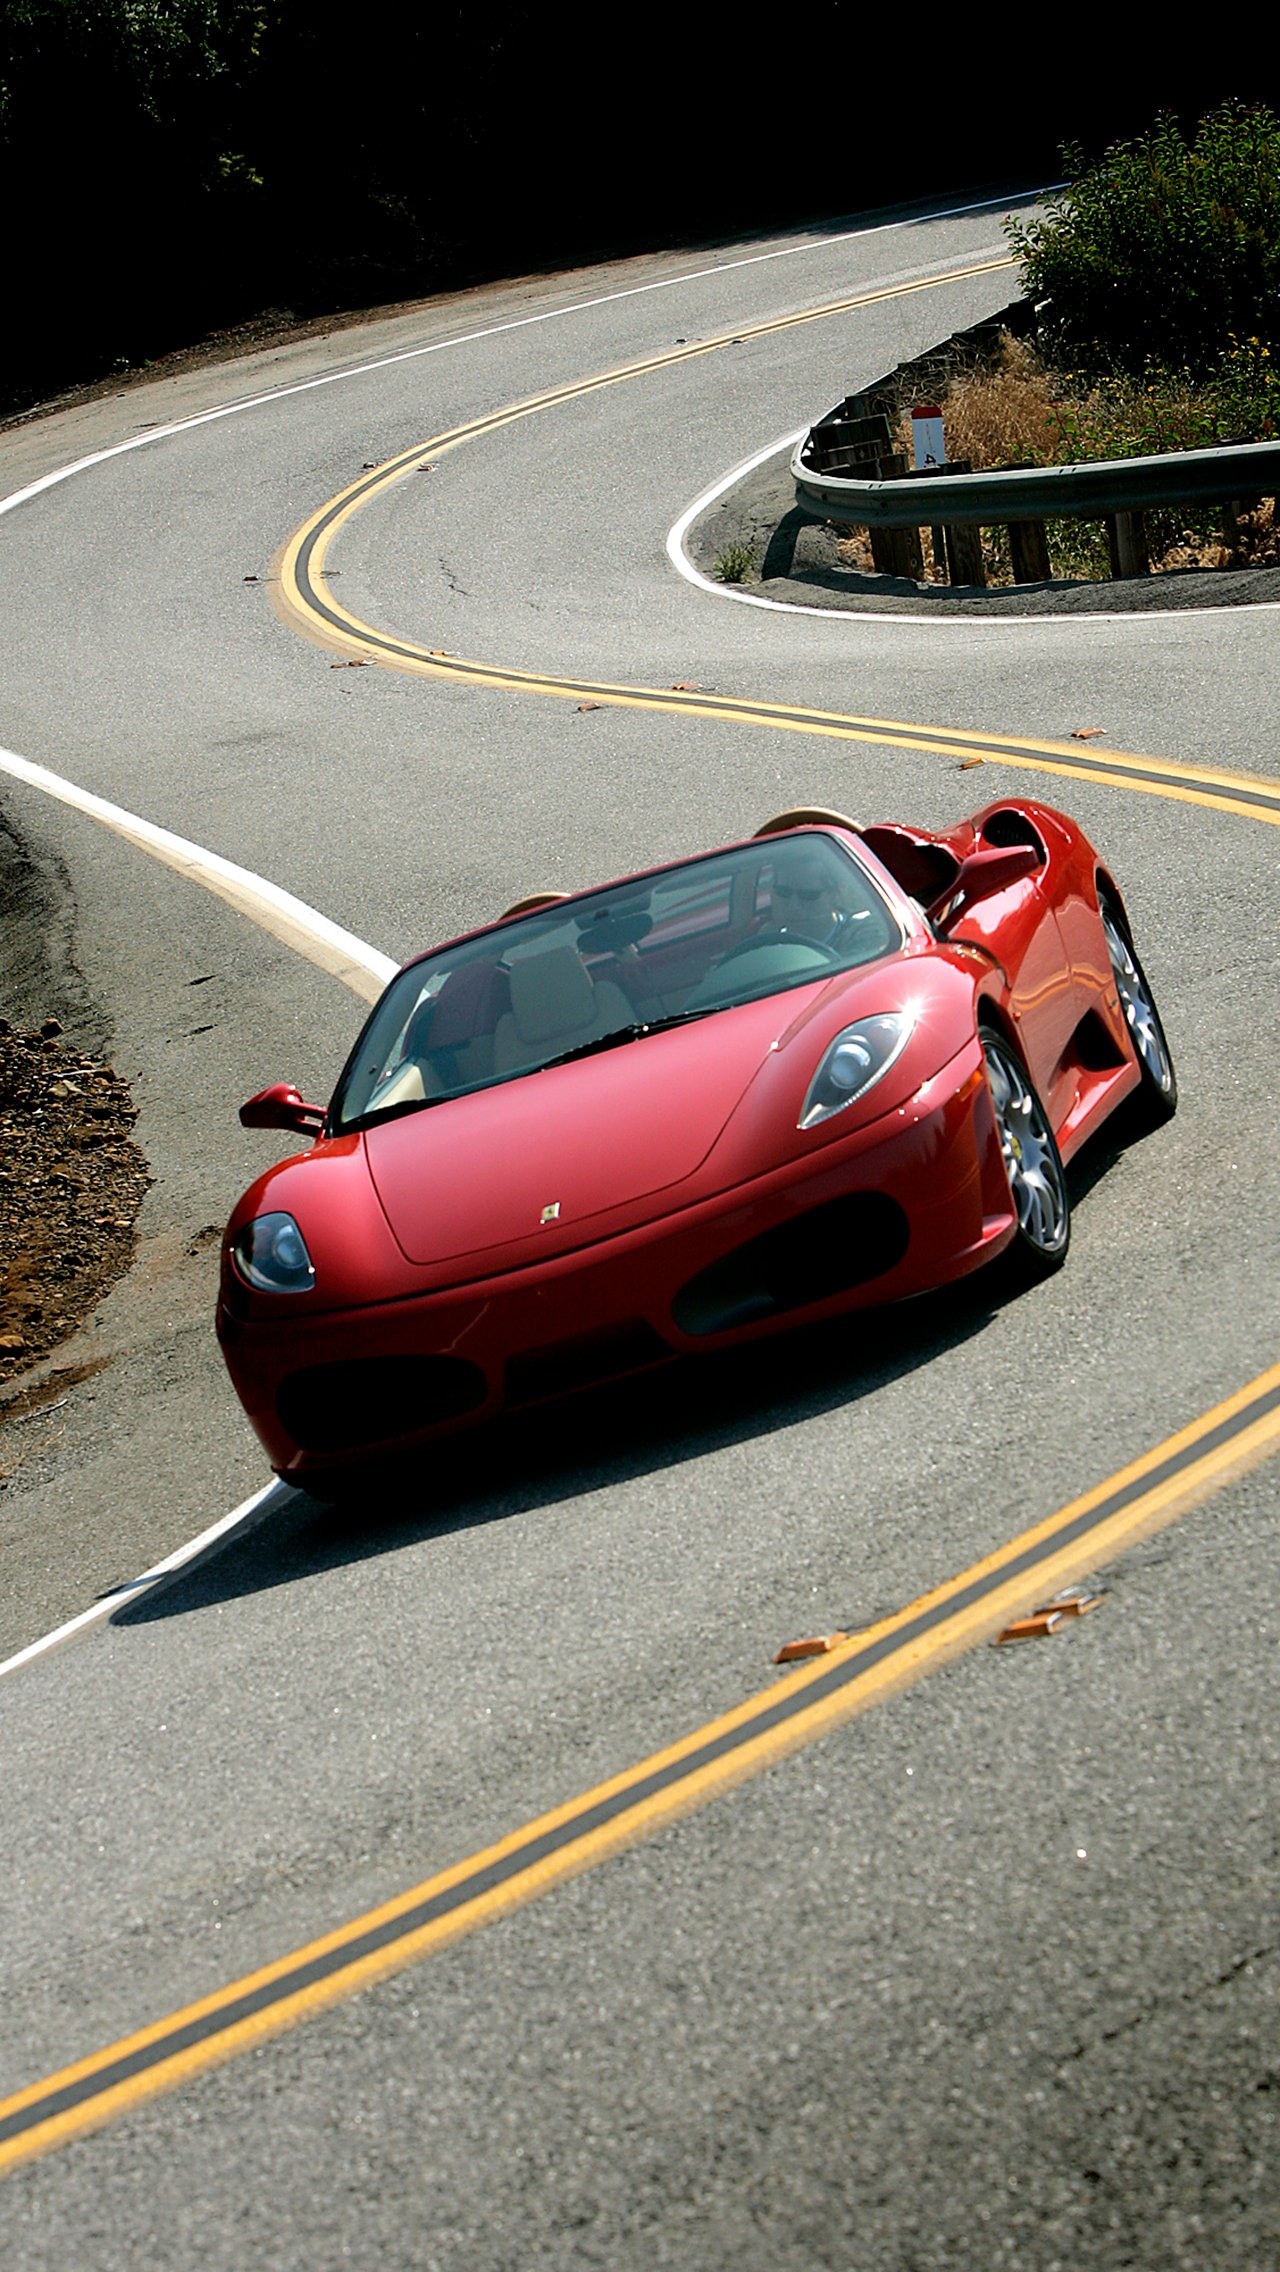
544,1157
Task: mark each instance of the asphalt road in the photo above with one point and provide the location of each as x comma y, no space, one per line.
988,1975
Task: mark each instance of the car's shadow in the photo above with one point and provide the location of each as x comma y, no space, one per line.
580,1444
603,1436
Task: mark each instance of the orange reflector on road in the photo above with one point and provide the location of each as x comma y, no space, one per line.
1048,1619
817,1646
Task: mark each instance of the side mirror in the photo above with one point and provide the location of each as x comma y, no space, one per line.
980,876
280,1106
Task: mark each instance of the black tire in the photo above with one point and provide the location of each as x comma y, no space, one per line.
1156,1100
1032,1164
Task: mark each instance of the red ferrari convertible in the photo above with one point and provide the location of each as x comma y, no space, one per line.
828,1067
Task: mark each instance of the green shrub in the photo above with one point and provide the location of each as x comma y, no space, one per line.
1164,252
736,564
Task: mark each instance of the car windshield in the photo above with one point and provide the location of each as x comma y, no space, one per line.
595,971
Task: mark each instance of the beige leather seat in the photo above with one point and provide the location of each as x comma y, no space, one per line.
412,1084
555,1006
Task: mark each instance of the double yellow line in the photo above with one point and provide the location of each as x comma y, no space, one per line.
303,599
795,1710
803,1705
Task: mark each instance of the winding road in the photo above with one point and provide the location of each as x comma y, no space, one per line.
402,1885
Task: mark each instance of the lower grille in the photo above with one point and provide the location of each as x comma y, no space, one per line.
368,1400
587,1359
847,1242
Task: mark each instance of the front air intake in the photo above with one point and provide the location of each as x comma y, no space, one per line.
372,1400
847,1242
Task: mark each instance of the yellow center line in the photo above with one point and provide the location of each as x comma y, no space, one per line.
306,604
795,1710
801,1706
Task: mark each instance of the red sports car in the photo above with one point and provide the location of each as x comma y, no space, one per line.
827,1067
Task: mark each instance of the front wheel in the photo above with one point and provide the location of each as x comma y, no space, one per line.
1037,1182
1157,1098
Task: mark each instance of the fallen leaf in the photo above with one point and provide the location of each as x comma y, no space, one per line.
1086,733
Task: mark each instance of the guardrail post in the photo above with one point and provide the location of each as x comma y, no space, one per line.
896,552
1029,552
1127,544
965,564
1231,529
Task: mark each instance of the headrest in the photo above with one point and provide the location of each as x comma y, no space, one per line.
551,993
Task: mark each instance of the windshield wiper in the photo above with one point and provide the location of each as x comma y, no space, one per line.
377,1115
374,1116
620,1034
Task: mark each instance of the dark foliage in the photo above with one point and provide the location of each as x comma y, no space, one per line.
1165,253
169,167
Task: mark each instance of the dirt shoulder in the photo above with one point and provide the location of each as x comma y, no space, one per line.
71,1177
71,1184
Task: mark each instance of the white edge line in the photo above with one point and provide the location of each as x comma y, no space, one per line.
241,1517
49,481
681,561
195,859
207,867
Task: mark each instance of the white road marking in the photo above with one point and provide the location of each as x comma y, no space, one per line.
288,918
242,1518
303,928
680,560
49,481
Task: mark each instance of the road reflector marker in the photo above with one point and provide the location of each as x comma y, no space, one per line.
818,1645
1047,1620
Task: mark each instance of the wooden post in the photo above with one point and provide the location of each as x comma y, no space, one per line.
964,553
1127,544
1029,552
896,552
1231,530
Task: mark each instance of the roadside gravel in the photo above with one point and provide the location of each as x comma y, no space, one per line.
71,1184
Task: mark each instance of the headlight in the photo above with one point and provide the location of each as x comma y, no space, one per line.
271,1254
856,1060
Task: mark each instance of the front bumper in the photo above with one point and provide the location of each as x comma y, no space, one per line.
907,1202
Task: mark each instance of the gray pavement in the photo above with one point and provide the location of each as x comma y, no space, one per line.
1016,2004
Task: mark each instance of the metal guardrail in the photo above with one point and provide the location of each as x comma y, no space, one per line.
1040,493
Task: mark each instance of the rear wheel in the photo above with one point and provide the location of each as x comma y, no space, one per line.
1037,1183
1157,1098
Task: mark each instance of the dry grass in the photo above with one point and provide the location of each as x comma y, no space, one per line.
1013,412
1002,415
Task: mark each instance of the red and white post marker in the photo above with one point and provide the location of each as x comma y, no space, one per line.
930,449
926,436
